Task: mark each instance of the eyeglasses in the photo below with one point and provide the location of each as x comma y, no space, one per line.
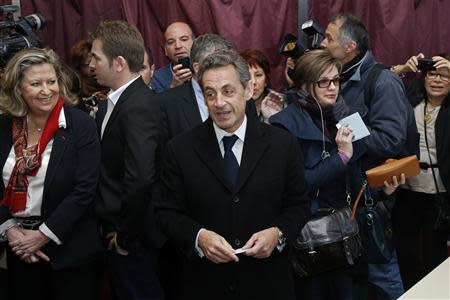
325,83
433,76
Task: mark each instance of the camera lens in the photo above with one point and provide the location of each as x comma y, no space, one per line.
36,21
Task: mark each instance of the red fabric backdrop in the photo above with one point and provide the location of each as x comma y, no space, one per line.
247,23
398,29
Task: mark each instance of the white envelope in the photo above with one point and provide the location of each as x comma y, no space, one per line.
356,124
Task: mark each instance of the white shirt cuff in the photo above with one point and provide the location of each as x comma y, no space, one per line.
10,223
197,248
48,233
281,247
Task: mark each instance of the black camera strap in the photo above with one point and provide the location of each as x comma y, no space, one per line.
428,147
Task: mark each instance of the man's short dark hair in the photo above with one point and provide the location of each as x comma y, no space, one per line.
223,58
206,44
352,29
121,39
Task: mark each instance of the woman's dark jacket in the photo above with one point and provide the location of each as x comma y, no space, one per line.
326,178
69,188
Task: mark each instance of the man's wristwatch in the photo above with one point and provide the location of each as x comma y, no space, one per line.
281,237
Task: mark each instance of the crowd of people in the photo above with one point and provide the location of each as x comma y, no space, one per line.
193,181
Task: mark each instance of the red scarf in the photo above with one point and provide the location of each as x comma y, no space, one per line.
28,161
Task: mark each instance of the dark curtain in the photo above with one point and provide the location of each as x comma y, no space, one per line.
259,24
398,29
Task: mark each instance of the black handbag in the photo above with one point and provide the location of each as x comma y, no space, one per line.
327,242
375,229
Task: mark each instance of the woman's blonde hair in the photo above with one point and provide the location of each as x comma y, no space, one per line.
310,66
11,102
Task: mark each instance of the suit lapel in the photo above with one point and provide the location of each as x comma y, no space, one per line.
255,145
208,151
125,96
60,140
190,106
100,115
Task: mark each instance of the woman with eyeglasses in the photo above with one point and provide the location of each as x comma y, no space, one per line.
420,246
331,159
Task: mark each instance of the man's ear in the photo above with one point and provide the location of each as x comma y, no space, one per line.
249,90
351,47
195,67
120,63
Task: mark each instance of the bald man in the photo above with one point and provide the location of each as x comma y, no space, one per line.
178,42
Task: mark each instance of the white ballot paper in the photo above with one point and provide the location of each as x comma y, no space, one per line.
356,124
239,251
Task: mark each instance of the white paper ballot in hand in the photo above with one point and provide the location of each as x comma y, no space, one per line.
239,251
356,124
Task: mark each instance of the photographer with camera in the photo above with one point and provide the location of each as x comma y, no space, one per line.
416,212
178,42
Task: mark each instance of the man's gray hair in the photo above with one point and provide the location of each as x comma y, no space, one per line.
206,44
223,58
352,29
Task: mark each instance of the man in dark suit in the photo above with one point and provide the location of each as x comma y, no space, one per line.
129,141
183,107
232,208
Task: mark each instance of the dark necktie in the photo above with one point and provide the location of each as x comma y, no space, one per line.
230,161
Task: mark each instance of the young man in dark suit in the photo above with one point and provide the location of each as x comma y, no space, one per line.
218,200
129,141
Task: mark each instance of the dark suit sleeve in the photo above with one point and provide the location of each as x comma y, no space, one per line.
295,201
163,107
5,147
171,207
142,139
63,220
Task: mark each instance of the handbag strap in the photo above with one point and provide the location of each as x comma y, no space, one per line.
428,147
355,206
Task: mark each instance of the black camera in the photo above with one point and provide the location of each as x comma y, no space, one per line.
185,62
314,32
425,64
290,46
20,33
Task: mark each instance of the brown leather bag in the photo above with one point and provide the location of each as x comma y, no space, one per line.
393,167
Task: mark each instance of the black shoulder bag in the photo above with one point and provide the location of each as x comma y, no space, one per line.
330,240
375,228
